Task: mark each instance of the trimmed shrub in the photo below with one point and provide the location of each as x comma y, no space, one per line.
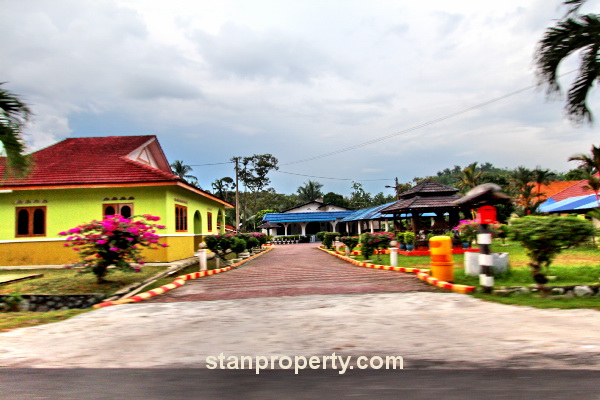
545,237
350,241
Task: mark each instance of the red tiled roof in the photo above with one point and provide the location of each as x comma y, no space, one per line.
553,188
578,189
92,160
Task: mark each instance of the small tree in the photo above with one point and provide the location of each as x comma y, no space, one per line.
114,241
545,237
349,241
328,239
238,245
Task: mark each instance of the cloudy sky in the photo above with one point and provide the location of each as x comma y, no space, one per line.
298,79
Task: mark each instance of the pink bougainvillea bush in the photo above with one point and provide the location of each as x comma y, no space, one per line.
114,241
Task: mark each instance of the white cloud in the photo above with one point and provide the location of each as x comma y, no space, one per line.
295,79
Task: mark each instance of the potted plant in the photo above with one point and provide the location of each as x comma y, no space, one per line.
400,238
468,232
409,238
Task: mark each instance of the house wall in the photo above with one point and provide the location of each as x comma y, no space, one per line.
67,208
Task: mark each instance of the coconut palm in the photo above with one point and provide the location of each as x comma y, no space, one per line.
542,177
181,170
469,177
14,114
573,33
310,191
591,164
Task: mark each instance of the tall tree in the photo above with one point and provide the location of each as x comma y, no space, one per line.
310,191
591,165
469,177
542,177
223,188
359,198
14,114
337,199
181,170
253,173
573,33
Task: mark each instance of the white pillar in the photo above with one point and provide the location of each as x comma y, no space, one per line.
394,253
359,227
285,226
348,228
303,227
202,256
333,225
371,226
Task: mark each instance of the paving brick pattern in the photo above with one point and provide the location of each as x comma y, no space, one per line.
294,270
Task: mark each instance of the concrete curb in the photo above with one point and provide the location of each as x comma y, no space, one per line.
178,282
422,274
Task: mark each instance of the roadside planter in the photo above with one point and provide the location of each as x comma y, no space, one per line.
473,268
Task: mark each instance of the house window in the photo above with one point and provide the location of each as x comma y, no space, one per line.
31,221
123,209
181,218
209,221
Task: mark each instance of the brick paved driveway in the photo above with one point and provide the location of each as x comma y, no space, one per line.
294,270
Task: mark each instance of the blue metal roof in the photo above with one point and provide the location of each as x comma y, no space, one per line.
570,204
306,216
369,213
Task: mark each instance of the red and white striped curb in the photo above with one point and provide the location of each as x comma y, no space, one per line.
422,274
178,282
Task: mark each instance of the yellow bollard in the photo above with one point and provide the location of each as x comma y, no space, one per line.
442,265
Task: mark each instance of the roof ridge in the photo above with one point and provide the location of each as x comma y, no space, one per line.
151,168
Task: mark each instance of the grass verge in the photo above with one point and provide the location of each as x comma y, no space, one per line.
14,320
69,281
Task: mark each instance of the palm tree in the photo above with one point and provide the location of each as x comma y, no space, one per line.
223,186
520,182
14,114
542,177
181,170
573,33
469,177
310,191
591,164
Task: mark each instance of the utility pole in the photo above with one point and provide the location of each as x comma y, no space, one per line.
237,195
397,189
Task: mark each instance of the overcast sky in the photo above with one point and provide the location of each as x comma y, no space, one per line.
297,79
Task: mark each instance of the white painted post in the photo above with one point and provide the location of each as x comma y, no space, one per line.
394,253
337,243
371,226
202,256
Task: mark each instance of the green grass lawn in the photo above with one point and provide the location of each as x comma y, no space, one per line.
576,266
14,320
70,281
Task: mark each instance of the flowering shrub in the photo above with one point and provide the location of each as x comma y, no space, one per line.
468,229
114,241
349,241
219,244
371,241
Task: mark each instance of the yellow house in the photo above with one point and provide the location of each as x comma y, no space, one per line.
81,179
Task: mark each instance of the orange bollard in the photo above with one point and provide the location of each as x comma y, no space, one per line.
442,265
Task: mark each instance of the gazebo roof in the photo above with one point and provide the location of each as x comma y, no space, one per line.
268,225
428,188
428,196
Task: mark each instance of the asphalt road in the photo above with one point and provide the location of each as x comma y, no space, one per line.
166,384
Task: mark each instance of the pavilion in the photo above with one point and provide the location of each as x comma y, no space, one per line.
427,199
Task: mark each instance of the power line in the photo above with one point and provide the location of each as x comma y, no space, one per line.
219,163
423,125
337,179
